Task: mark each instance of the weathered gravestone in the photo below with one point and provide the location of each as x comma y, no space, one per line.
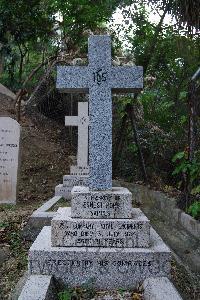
9,159
78,174
101,238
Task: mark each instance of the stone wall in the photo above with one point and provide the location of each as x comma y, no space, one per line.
156,200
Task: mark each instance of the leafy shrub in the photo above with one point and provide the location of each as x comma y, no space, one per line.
194,210
65,295
184,165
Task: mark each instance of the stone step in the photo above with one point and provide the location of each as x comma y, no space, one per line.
79,170
64,192
160,289
109,204
119,233
38,287
104,268
74,180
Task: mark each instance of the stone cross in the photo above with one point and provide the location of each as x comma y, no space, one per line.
82,121
99,79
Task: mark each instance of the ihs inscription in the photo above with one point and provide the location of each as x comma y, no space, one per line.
99,76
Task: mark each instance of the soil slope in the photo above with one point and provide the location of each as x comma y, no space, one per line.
44,160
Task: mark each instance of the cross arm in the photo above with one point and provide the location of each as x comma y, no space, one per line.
126,79
71,121
72,79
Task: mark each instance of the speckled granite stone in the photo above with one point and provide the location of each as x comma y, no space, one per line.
107,268
119,233
101,204
38,287
160,288
99,78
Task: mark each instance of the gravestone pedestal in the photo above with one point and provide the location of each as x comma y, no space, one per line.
100,239
69,181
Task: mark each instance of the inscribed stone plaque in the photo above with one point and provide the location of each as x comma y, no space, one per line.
101,204
118,233
106,268
9,156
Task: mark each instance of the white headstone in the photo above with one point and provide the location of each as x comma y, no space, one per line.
9,157
82,121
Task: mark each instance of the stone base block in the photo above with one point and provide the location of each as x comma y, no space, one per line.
64,192
104,268
79,170
10,202
119,233
69,181
38,287
160,288
115,203
40,218
73,180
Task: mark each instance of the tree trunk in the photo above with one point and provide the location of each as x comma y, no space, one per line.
131,114
1,64
192,131
152,47
20,64
23,91
119,143
149,55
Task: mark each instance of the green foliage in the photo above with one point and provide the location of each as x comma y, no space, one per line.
121,291
31,31
132,148
196,190
5,207
194,210
158,108
191,170
65,295
4,225
184,165
11,235
85,291
178,156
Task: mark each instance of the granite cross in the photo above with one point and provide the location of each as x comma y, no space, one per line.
99,79
82,121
